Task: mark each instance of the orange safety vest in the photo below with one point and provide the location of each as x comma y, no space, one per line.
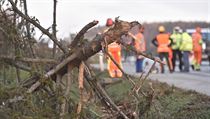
140,44
196,42
114,50
163,42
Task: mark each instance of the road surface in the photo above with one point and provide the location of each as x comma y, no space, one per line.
194,80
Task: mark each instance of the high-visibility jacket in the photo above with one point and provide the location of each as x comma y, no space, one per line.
163,42
186,43
140,44
197,41
176,40
114,50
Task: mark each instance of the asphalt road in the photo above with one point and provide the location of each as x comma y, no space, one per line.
194,80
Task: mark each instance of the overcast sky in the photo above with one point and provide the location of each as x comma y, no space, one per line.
72,15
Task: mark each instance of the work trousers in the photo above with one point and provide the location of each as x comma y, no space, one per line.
186,61
198,58
163,55
177,53
139,65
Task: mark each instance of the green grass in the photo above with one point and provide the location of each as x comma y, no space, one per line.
169,102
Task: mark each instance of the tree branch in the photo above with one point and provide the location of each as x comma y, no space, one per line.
81,33
105,99
20,66
83,53
141,53
53,38
28,31
54,26
24,59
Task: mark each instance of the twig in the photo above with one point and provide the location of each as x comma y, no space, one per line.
28,31
141,53
101,92
150,70
45,31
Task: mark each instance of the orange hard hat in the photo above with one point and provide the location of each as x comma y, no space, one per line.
161,29
198,29
109,22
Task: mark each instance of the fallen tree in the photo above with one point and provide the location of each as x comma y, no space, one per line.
74,56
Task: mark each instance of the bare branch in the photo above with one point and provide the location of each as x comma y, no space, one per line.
105,99
150,70
81,33
28,30
24,59
54,26
45,31
20,66
141,53
52,72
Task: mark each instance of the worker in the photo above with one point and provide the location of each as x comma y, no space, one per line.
114,49
186,47
176,40
197,48
162,42
140,46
